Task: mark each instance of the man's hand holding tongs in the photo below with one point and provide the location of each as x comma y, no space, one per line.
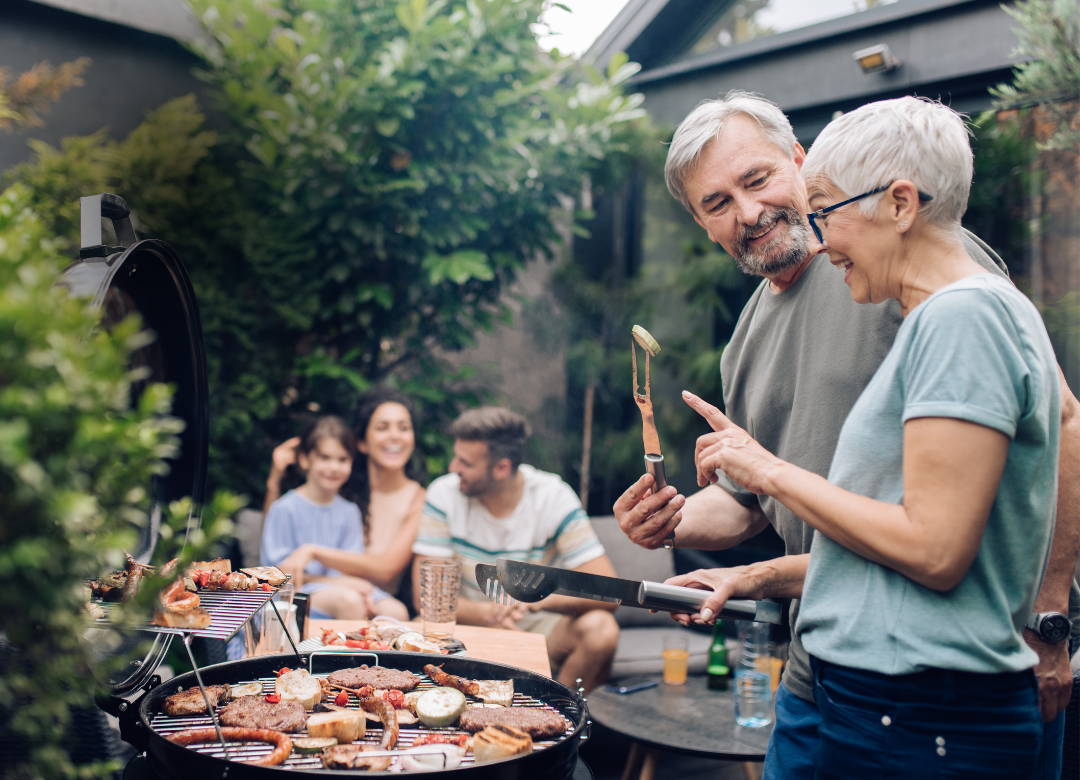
649,519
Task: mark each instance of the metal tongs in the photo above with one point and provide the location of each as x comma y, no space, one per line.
654,460
508,582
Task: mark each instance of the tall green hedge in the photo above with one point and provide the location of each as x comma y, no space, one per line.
75,462
390,167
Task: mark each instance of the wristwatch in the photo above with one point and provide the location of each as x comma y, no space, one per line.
1052,627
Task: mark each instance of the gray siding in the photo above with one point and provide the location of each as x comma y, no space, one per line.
132,72
953,53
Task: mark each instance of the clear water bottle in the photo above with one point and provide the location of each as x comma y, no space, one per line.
753,690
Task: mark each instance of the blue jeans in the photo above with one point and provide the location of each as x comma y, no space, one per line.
1048,763
932,724
794,737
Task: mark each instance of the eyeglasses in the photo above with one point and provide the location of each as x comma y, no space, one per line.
813,216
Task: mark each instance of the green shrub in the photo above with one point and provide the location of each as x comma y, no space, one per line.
75,461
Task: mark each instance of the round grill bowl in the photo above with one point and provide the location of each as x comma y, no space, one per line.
172,761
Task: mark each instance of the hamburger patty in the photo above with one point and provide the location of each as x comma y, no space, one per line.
377,677
255,712
540,724
190,702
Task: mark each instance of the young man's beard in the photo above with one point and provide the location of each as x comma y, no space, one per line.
782,253
480,487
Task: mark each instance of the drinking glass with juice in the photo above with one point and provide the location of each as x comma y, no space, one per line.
676,655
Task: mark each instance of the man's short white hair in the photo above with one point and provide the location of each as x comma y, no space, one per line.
704,124
910,138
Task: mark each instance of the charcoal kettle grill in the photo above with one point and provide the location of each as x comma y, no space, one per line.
147,277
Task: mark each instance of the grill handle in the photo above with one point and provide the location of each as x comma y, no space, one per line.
313,653
91,209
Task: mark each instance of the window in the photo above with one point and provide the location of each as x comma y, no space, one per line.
747,20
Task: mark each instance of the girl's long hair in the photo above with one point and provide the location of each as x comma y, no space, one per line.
358,488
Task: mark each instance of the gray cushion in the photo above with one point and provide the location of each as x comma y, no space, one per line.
634,563
249,525
640,648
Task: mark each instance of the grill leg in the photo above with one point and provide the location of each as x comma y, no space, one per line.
206,698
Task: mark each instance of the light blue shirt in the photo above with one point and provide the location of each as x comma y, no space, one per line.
975,350
294,520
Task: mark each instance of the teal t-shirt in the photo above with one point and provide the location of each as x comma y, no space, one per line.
975,350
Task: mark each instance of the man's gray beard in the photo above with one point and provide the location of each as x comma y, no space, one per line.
774,258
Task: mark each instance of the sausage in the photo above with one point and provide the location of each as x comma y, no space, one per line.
175,595
168,568
134,577
388,715
282,743
450,681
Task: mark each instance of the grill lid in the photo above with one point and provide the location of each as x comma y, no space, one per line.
146,277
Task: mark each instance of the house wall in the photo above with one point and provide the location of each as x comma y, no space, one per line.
132,72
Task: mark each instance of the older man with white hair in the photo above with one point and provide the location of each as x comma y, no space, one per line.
800,356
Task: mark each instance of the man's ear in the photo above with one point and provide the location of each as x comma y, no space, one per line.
502,469
799,155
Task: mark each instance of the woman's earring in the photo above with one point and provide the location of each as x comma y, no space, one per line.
903,224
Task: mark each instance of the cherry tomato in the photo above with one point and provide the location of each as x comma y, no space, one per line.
266,587
356,644
273,698
342,699
282,671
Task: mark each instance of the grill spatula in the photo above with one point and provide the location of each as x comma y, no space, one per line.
508,581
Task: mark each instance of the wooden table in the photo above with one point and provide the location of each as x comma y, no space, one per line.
688,718
514,648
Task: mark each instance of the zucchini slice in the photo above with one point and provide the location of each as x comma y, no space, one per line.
645,340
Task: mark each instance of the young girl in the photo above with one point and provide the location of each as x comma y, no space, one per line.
316,514
384,484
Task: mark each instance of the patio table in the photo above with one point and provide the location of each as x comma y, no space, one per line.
514,648
688,718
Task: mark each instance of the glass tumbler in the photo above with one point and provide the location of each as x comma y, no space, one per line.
440,580
272,638
676,655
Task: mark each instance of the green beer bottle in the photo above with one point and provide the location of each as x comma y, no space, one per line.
718,669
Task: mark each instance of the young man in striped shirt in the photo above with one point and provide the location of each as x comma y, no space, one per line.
492,506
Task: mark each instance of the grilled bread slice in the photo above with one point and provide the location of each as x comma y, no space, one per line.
496,742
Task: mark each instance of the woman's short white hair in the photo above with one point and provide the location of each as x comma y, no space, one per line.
704,124
910,138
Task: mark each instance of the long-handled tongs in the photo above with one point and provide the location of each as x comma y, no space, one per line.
654,460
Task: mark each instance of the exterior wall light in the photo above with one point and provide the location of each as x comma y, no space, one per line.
876,59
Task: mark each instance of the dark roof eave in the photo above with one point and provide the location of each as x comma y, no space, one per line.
865,20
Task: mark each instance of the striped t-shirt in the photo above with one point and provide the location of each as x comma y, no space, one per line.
548,526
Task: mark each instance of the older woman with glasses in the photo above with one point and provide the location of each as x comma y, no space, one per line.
935,521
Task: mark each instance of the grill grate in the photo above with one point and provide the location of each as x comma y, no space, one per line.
229,610
250,751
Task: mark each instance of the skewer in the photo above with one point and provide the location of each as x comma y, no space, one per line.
206,697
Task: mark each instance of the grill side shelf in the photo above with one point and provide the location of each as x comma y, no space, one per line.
229,611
